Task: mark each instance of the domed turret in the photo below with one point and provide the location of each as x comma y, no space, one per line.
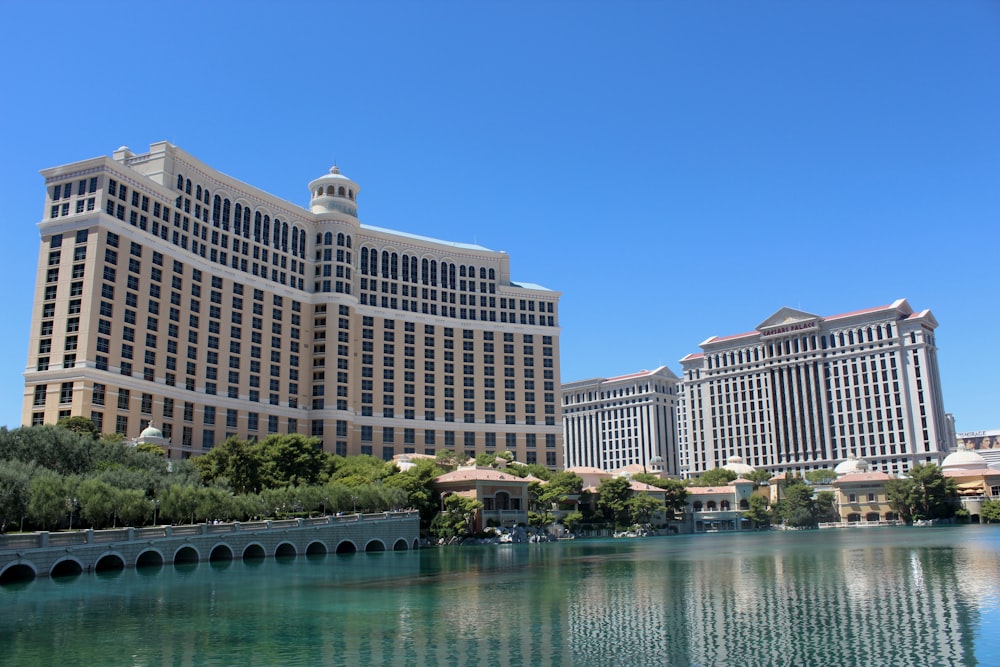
334,193
735,464
850,466
963,459
150,432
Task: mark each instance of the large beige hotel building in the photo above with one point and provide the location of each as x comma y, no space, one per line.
168,292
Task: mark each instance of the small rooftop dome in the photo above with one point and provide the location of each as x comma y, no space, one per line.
151,432
963,459
735,464
850,466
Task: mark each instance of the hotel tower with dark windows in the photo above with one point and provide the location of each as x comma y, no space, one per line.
168,292
803,392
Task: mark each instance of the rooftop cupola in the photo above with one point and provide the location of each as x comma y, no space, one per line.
334,193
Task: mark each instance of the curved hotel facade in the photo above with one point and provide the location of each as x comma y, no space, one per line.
168,292
803,392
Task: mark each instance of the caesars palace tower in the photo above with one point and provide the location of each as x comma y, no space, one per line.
170,294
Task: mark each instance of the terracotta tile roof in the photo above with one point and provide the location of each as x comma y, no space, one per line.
709,490
976,472
859,477
478,475
640,486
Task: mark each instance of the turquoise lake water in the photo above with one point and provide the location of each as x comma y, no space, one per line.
866,597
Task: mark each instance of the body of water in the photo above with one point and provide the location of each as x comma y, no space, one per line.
866,597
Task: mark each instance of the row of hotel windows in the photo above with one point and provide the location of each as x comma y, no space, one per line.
128,332
838,339
138,216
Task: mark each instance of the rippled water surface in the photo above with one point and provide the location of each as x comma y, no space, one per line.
877,596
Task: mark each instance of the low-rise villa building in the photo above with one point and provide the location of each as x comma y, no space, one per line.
718,508
504,496
861,497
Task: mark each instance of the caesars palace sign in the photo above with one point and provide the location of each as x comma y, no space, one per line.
789,328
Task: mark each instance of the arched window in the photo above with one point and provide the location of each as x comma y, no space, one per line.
330,191
724,506
180,182
472,272
340,191
198,193
276,241
239,214
697,506
451,276
434,273
364,261
394,266
406,267
385,263
187,186
482,273
319,238
216,210
340,239
744,504
710,505
462,271
373,263
225,214
295,241
425,276
265,230
348,241
493,274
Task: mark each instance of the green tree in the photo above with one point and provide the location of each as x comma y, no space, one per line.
292,459
797,509
759,476
179,503
418,485
456,516
15,484
360,470
559,489
540,519
715,477
80,425
925,493
47,504
572,520
676,493
236,460
97,502
826,506
991,511
612,498
642,507
131,506
821,477
758,513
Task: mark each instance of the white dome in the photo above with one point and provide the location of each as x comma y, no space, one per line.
735,464
151,432
963,459
852,465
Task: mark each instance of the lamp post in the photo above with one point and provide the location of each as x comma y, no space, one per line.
354,499
71,503
156,507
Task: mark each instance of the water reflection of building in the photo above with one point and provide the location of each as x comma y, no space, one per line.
798,606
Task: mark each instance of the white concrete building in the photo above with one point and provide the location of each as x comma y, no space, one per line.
622,421
802,392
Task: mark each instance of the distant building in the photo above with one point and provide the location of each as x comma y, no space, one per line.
167,290
627,421
504,496
803,392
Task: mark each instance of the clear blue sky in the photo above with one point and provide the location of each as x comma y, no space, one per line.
677,169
